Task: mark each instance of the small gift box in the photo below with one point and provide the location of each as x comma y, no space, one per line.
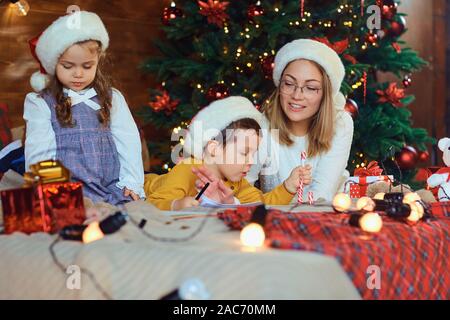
357,185
47,202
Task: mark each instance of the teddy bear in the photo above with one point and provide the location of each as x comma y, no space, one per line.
441,178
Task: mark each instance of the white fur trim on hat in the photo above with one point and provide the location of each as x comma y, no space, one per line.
215,117
39,81
310,50
64,32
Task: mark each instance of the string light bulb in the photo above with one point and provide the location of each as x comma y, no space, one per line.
379,196
20,7
97,230
253,235
371,222
341,202
411,197
366,204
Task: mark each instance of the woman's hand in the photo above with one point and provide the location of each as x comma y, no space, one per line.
217,190
297,174
130,193
185,202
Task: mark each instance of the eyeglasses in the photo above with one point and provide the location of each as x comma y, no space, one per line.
288,87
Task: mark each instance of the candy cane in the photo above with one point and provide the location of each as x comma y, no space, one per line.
303,157
300,193
311,198
301,185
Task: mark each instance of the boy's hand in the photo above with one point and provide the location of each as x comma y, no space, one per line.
217,190
297,174
185,202
127,192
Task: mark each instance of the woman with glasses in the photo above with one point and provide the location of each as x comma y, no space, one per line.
305,115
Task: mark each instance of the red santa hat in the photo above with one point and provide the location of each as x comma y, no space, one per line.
60,35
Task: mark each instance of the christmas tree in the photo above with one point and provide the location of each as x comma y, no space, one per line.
213,49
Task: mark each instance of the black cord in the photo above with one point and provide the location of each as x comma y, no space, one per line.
169,239
64,268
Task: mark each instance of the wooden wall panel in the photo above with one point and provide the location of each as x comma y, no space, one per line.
131,25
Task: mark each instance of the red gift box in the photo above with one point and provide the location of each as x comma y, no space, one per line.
46,207
365,176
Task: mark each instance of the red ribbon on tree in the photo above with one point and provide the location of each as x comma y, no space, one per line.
339,47
365,85
302,8
362,8
392,95
214,10
164,102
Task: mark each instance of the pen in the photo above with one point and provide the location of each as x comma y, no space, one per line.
201,191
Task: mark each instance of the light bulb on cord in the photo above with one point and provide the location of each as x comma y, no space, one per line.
417,212
20,7
253,234
341,202
371,222
411,197
97,230
379,196
366,204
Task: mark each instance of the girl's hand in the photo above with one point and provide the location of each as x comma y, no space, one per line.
185,202
217,190
127,192
297,174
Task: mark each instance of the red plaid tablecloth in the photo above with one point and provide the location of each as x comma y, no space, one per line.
413,260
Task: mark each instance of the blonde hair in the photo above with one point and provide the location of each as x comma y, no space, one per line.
321,129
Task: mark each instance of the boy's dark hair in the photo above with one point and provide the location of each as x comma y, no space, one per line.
244,123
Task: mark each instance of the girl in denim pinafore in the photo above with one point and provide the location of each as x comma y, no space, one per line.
77,117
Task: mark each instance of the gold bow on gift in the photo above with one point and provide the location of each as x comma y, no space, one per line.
47,171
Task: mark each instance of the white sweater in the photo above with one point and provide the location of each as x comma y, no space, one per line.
274,161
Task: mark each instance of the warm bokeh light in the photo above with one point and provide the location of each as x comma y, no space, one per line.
411,197
371,222
365,203
253,235
379,196
92,232
342,202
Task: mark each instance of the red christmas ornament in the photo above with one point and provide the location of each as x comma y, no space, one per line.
396,28
163,102
388,9
217,91
407,158
267,64
424,156
351,107
372,38
407,81
392,95
255,10
214,10
171,13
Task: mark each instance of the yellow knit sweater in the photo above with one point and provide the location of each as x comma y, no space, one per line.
161,190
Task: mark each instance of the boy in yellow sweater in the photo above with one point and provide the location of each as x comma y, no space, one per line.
222,140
